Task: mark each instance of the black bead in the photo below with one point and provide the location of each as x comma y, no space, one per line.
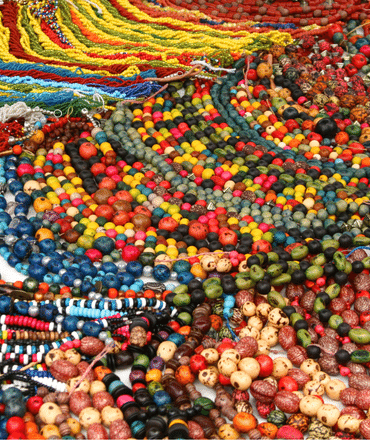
324,315
313,351
343,329
345,241
342,356
340,278
298,277
162,410
300,324
263,287
329,252
324,297
289,310
358,266
314,246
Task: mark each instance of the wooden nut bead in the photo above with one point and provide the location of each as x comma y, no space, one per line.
281,367
313,388
310,367
334,387
240,380
211,355
249,309
263,347
256,322
270,335
226,367
321,377
328,414
348,423
231,354
309,405
278,318
250,366
208,378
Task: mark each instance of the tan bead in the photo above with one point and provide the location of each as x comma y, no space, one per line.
249,308
211,355
49,412
278,318
110,414
83,386
256,322
54,355
208,377
96,386
281,367
334,387
250,366
240,380
263,347
321,377
226,367
49,431
224,265
270,335
166,350
231,354
249,331
313,388
309,405
263,309
88,416
328,414
310,367
228,432
72,355
348,423
209,262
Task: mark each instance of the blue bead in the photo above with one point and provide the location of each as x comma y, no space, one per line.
161,398
92,329
176,338
161,273
185,277
5,303
70,324
135,268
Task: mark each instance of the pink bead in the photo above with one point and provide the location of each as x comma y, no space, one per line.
272,179
267,185
186,206
279,205
121,163
347,121
111,233
301,100
120,244
85,134
198,181
166,197
344,371
218,171
234,261
241,82
226,175
116,178
151,185
168,160
233,254
242,112
49,156
76,343
314,106
258,180
140,235
77,202
157,115
260,201
287,147
111,171
183,173
263,227
57,158
25,168
237,193
364,125
203,219
365,50
211,215
217,188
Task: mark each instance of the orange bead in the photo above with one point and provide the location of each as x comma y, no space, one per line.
268,429
244,422
112,293
184,375
216,322
153,375
184,330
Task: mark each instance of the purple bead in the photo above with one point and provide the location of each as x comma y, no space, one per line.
157,363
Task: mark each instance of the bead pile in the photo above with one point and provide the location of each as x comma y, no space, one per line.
191,206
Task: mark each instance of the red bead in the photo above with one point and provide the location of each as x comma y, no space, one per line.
15,424
287,384
266,365
34,404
